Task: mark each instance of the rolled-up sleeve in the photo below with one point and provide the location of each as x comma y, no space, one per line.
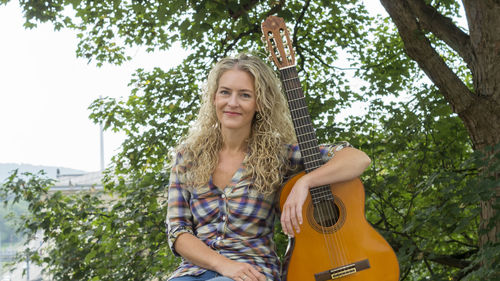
327,152
179,216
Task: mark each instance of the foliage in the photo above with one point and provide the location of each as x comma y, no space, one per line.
8,234
82,230
423,188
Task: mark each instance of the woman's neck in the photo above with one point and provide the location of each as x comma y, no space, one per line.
235,141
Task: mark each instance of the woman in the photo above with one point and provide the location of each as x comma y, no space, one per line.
222,196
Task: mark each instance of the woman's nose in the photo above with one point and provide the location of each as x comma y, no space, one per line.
233,100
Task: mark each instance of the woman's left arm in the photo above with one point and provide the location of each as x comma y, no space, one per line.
347,164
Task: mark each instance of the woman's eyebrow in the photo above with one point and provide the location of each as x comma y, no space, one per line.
240,90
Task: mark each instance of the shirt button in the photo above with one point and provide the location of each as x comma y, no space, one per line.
223,195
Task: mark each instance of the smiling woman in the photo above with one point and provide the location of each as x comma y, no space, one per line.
235,102
227,172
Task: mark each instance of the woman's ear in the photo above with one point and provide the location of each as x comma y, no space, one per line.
257,116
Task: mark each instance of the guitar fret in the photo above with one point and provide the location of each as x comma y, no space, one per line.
302,123
288,79
313,161
289,90
305,131
305,142
305,126
309,148
305,137
298,106
297,109
321,193
295,99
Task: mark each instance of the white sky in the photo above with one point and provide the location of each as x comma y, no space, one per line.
45,92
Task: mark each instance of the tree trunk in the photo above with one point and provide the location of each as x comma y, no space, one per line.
479,108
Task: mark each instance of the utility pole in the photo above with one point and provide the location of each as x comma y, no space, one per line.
28,267
102,142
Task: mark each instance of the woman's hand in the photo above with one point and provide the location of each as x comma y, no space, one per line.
347,164
240,271
291,216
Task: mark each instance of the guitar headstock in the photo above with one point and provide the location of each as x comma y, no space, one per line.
278,42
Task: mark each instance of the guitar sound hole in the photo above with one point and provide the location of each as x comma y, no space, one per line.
326,213
327,216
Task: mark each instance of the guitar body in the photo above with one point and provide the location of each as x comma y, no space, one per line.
349,239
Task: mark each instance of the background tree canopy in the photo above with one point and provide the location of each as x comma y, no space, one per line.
421,92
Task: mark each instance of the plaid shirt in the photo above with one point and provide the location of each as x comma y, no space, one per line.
237,222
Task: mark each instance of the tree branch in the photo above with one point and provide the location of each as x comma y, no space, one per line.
443,28
294,36
456,260
419,49
244,9
251,30
276,8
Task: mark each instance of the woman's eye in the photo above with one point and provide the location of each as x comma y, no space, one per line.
246,95
224,92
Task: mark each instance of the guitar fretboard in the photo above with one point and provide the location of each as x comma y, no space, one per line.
306,136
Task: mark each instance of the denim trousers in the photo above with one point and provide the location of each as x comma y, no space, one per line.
207,276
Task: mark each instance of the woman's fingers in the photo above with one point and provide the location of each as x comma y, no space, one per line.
285,221
255,275
245,272
291,219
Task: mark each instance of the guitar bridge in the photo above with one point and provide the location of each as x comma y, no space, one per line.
342,271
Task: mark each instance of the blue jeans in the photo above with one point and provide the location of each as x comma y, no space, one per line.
207,276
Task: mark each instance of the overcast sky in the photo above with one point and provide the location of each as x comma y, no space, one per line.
45,92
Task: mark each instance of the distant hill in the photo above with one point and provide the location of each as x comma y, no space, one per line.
51,171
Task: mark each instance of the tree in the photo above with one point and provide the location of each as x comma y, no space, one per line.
423,188
477,105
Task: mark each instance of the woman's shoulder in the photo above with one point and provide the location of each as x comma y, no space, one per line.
180,156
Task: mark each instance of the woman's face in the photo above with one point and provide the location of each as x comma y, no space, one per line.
235,100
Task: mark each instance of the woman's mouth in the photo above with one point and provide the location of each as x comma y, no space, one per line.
232,113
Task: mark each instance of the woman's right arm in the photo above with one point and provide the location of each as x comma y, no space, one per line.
194,250
184,243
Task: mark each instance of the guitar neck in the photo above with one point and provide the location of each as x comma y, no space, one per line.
306,136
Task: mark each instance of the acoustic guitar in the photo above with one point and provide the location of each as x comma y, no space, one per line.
335,242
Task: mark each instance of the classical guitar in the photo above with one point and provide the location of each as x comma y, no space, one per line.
335,242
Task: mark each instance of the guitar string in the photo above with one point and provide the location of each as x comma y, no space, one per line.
327,215
295,110
322,217
331,212
329,244
333,255
338,231
333,240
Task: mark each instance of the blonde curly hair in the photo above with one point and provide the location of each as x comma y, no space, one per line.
267,153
